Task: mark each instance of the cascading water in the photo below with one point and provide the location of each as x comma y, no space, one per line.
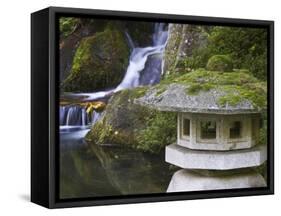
154,64
140,73
75,115
145,68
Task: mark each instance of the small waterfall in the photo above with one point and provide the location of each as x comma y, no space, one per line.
83,116
160,35
75,115
95,117
138,71
145,68
145,65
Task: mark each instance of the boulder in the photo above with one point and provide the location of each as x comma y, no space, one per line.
133,125
72,31
184,43
100,62
220,63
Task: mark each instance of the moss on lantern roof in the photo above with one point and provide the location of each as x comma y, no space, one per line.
208,91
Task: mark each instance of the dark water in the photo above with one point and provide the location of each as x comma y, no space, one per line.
91,171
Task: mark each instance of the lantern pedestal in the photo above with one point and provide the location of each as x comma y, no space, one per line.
189,180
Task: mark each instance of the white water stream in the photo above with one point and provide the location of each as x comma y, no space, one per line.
145,68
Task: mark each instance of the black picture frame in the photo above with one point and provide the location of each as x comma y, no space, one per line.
44,107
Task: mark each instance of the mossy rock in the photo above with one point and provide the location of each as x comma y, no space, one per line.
235,87
221,63
67,25
129,124
100,62
185,50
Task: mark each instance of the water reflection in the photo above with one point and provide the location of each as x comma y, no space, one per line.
91,171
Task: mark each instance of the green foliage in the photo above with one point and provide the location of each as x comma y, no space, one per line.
103,133
246,46
221,63
197,60
263,130
67,25
160,130
132,125
263,135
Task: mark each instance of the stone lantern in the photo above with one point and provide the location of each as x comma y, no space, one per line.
217,146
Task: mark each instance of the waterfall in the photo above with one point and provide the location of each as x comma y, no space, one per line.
145,68
95,117
75,115
138,71
130,41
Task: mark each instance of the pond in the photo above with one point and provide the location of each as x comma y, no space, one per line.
108,170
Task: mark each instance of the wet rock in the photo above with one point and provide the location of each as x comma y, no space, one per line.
132,125
100,62
69,41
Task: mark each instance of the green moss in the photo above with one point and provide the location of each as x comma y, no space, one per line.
202,76
136,92
67,25
253,92
99,62
231,99
238,85
160,131
195,88
246,46
103,133
220,63
83,54
160,89
132,125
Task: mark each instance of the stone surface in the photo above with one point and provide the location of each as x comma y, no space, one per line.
249,131
175,98
132,125
215,160
99,63
186,180
183,42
